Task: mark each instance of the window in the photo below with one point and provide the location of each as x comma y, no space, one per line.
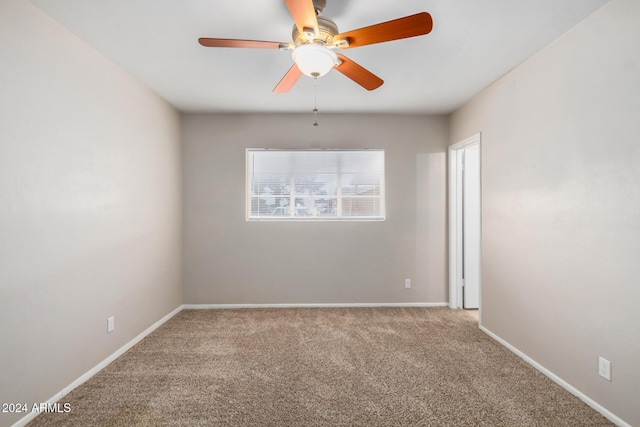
315,184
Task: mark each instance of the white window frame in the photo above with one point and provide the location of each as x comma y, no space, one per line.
339,197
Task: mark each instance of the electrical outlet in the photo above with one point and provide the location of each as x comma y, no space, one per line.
407,283
111,324
604,368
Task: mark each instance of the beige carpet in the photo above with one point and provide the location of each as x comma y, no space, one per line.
321,367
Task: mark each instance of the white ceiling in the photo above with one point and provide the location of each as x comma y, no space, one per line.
473,43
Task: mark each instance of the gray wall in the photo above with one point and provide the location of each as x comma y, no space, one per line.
90,207
561,205
228,260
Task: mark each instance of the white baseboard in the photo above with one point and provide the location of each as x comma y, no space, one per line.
23,421
314,305
571,389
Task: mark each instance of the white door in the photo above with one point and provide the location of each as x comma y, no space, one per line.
471,227
464,224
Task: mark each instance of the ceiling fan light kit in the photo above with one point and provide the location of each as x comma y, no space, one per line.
315,38
314,60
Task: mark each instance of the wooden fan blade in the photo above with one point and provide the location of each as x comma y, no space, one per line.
304,14
256,44
358,73
402,28
289,80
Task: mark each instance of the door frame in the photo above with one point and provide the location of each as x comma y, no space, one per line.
455,155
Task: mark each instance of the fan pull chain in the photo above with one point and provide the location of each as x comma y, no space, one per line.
315,101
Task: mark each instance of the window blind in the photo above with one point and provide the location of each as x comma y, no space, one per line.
315,184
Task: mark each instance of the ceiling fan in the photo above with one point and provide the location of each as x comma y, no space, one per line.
315,39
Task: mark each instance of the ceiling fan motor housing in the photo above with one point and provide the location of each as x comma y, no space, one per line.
327,29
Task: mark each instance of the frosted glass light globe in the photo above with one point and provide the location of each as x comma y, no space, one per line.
314,60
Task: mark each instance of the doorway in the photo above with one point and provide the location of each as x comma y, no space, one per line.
464,223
